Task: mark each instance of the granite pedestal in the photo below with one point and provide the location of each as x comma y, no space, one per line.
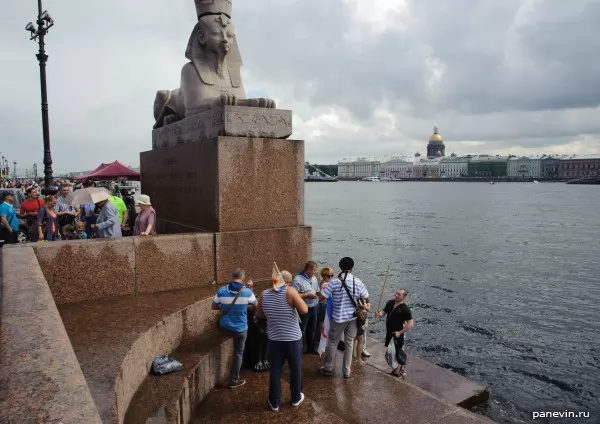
227,183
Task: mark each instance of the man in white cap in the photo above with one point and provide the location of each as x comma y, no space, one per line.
107,224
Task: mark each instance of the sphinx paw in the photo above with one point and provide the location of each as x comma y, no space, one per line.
169,119
228,100
266,103
266,365
257,367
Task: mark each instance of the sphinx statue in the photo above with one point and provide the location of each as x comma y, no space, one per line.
212,77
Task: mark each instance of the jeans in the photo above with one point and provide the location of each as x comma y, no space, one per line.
308,326
239,341
89,220
279,352
338,329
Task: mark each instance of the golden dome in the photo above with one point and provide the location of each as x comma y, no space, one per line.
436,137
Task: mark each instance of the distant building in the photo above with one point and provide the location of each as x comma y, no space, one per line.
549,167
436,147
454,167
360,168
578,166
397,168
485,166
524,167
426,169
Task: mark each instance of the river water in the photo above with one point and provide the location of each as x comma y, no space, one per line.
503,280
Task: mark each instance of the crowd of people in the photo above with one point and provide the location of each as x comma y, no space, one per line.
297,309
52,218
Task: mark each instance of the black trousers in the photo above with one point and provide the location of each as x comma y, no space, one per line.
9,238
308,326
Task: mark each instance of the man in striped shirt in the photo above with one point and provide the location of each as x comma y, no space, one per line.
234,300
344,317
307,286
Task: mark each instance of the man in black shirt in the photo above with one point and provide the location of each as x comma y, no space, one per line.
399,321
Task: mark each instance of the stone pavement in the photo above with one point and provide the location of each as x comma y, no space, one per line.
444,383
370,396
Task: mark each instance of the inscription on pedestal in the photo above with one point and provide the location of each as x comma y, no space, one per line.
235,121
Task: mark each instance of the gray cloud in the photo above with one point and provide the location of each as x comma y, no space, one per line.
516,74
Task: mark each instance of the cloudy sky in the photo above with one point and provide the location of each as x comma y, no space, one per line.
364,78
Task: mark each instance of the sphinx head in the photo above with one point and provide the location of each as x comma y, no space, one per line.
213,37
212,34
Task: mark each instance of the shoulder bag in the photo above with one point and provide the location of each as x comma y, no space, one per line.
359,310
237,296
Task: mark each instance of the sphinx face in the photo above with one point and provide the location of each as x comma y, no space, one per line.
217,35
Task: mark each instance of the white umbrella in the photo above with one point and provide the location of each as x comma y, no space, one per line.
88,195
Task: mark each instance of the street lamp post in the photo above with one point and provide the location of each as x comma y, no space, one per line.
44,23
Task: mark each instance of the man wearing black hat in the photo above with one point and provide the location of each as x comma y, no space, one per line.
346,291
8,219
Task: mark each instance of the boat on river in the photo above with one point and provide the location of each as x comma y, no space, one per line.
371,179
317,175
586,180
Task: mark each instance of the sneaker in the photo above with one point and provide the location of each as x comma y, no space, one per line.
366,354
274,409
326,372
237,384
296,404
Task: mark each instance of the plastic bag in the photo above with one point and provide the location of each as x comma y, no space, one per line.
165,364
390,355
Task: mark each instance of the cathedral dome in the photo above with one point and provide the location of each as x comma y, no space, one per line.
436,137
417,155
453,155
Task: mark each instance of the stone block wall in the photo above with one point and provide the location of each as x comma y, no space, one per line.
92,269
40,377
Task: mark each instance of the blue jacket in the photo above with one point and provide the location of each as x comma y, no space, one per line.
108,223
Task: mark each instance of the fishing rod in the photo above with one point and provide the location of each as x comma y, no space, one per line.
383,288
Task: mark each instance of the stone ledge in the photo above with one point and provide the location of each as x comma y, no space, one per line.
40,378
172,398
444,383
116,339
235,121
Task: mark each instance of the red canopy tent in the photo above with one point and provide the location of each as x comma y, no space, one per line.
112,171
83,177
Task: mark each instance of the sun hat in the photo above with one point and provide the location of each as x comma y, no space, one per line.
144,200
346,264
